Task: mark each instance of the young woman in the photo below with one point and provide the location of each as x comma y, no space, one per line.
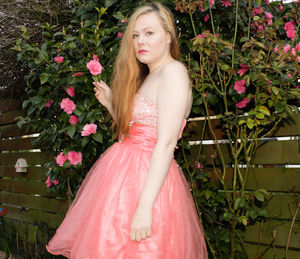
135,202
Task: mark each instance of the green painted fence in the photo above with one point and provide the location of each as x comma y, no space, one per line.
31,204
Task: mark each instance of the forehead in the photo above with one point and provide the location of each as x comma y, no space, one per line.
147,20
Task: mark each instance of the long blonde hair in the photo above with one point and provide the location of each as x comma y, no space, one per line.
129,73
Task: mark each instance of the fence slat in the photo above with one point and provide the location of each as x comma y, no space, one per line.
26,187
34,202
18,144
12,130
33,173
9,117
33,158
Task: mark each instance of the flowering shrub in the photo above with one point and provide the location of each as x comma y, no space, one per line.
243,58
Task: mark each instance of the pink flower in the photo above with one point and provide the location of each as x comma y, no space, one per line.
260,28
298,47
211,3
243,103
67,105
280,7
74,157
298,59
89,129
240,87
243,69
95,57
58,50
286,48
123,21
275,49
55,181
59,59
268,15
49,103
270,82
225,3
61,159
267,1
257,11
290,29
77,74
201,36
199,165
290,76
206,17
71,91
293,51
94,66
73,120
48,182
120,35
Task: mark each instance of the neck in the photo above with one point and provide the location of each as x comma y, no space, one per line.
156,66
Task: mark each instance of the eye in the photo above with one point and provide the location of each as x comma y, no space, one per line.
135,35
148,33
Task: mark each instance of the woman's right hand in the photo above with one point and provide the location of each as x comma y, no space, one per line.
103,93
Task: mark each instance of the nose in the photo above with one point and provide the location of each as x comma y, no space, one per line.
141,39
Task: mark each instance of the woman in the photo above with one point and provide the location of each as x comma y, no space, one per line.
135,202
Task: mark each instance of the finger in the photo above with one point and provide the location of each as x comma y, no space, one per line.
148,233
143,235
132,235
138,236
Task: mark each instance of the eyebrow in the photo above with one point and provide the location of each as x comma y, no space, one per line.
146,28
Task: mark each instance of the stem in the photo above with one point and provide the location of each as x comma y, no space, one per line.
235,30
291,228
249,21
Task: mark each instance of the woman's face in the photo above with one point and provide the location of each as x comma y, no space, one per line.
151,42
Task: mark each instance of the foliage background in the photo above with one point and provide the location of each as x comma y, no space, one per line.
213,50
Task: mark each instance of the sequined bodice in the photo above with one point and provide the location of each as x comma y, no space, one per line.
144,112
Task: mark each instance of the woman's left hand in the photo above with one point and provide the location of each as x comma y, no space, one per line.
141,224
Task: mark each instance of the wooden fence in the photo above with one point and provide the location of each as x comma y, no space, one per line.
276,169
31,203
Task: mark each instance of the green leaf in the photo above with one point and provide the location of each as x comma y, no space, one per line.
227,215
108,3
259,195
275,90
71,131
263,109
259,115
98,137
243,220
44,78
250,124
255,18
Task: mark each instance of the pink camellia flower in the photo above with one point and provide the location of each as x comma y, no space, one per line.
89,129
269,17
286,48
55,181
67,105
74,157
48,182
73,120
293,51
267,1
59,59
61,159
94,66
120,35
243,103
298,47
201,36
211,3
199,165
123,21
298,59
280,7
206,17
58,50
71,91
49,103
270,82
77,74
290,76
243,69
239,86
290,29
275,49
225,3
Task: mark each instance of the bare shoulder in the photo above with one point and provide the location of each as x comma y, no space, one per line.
175,73
174,68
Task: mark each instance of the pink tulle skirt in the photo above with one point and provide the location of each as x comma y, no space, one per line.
97,225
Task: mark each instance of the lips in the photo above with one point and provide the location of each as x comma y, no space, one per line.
141,51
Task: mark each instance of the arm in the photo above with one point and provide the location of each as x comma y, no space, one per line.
172,100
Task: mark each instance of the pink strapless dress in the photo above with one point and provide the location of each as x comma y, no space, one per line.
97,224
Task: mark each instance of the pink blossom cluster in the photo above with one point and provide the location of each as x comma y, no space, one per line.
67,105
89,129
289,28
240,87
94,66
73,157
49,182
59,59
49,103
